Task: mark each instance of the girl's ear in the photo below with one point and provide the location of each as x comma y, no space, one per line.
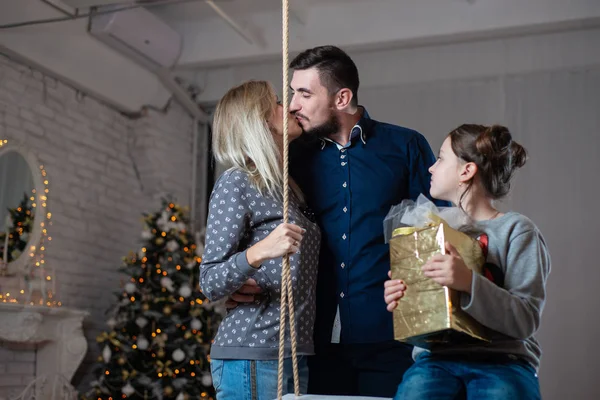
467,172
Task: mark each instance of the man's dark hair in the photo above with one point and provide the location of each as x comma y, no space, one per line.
336,68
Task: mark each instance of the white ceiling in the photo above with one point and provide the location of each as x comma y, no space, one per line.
198,10
210,40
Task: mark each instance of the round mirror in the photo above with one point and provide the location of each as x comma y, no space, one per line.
20,215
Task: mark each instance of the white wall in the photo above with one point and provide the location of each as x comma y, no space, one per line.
89,152
555,116
483,58
545,89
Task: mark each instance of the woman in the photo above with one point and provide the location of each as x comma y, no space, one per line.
475,167
246,238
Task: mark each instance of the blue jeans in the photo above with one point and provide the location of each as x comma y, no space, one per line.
255,380
438,378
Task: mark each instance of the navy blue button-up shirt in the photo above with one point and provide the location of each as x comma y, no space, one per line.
351,189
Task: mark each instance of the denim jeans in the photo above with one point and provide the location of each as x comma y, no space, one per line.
438,378
255,380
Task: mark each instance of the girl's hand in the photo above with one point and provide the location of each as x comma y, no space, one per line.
394,291
449,270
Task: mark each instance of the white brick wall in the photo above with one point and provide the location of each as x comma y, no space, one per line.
17,365
89,151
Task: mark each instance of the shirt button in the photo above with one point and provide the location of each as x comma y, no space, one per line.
343,150
344,236
343,265
345,184
343,164
342,295
345,209
342,157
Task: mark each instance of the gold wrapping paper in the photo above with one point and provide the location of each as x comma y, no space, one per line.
430,314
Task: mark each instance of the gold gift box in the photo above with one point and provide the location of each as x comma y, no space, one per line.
429,313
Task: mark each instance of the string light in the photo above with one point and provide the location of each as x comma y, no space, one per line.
44,224
39,201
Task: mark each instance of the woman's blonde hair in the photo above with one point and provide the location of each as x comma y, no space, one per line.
242,137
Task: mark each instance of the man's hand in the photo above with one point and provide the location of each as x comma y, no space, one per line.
245,294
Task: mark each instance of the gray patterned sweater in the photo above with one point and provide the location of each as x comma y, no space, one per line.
239,217
511,305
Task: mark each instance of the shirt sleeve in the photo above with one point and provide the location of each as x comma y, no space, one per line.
515,309
224,267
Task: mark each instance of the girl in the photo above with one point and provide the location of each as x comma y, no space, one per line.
474,168
245,238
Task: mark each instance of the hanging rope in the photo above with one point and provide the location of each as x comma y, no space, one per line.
287,298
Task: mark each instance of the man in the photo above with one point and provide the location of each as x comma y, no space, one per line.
352,170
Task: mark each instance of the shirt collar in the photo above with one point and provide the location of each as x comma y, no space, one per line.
359,131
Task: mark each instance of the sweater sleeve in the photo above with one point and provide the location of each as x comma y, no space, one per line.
515,309
224,267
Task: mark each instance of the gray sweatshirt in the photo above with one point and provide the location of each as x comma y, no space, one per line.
511,305
239,217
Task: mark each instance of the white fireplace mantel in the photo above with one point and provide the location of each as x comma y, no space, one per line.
58,332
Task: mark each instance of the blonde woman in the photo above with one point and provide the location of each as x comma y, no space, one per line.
246,239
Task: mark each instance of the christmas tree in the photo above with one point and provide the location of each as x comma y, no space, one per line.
21,225
162,326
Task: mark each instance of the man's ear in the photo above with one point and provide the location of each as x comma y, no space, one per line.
468,172
343,98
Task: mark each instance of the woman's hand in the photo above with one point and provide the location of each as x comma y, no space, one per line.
285,239
393,292
449,270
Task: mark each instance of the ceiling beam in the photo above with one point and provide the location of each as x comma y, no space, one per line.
391,24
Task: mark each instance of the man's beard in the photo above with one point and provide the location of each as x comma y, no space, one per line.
332,125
